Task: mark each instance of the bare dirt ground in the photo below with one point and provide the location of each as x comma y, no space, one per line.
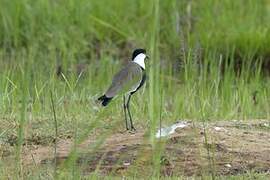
222,148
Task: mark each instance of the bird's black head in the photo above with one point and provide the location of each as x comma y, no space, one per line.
138,51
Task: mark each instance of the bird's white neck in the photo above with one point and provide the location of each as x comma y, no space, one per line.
139,59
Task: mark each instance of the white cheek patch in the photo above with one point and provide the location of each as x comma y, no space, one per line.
139,59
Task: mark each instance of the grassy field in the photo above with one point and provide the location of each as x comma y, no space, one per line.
209,62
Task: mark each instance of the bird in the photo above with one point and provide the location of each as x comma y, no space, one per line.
126,82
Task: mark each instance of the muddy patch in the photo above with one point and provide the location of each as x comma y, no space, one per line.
224,148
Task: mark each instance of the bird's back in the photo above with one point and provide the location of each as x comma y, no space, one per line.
126,80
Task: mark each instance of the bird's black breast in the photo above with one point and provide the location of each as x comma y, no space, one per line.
142,81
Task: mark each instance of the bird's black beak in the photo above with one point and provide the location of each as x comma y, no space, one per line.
147,57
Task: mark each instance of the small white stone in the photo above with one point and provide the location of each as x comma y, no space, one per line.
218,128
126,163
228,165
266,125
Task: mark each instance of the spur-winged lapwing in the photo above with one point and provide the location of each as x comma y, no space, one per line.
126,82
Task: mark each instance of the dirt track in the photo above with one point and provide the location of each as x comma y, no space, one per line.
223,148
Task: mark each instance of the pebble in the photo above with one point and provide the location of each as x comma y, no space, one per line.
126,163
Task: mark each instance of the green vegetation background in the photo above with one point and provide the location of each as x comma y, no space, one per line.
209,61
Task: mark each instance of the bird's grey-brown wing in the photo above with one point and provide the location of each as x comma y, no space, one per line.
126,80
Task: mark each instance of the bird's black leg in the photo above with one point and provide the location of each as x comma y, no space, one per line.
125,111
129,114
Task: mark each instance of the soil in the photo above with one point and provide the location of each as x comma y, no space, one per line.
219,148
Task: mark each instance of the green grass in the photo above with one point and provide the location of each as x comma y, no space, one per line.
37,36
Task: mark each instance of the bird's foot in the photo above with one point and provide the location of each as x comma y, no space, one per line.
133,129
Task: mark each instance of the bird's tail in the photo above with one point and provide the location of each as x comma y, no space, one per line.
105,100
